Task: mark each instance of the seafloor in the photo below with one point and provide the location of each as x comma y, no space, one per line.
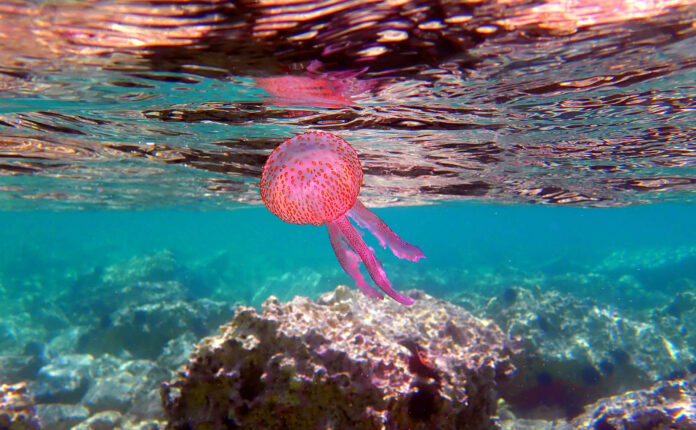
511,357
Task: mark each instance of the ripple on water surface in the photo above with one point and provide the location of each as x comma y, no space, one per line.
472,100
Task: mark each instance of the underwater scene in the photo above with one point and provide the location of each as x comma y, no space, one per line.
346,214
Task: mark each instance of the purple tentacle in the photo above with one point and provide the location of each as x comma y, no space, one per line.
365,218
350,261
373,265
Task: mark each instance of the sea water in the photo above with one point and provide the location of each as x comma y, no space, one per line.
471,246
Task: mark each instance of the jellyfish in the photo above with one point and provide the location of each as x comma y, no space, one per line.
314,178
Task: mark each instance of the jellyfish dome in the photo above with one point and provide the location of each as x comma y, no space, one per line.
312,178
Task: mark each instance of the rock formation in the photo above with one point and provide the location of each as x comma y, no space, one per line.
343,361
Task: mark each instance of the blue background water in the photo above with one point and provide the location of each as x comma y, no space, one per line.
475,247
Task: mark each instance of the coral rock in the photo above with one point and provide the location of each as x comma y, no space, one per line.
666,405
17,410
344,361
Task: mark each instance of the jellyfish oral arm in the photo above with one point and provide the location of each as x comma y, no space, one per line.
351,237
365,218
350,260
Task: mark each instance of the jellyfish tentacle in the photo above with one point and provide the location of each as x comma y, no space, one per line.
367,219
350,260
373,265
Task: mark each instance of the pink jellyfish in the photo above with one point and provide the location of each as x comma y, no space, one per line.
315,178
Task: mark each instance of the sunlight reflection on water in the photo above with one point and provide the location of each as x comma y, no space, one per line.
179,106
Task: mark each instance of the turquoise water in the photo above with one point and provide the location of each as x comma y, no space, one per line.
468,247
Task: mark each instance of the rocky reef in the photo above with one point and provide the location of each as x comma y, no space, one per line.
579,350
143,331
94,355
666,405
115,334
344,361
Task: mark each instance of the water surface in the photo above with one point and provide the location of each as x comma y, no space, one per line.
587,110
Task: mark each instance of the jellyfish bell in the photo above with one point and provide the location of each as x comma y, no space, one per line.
312,178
